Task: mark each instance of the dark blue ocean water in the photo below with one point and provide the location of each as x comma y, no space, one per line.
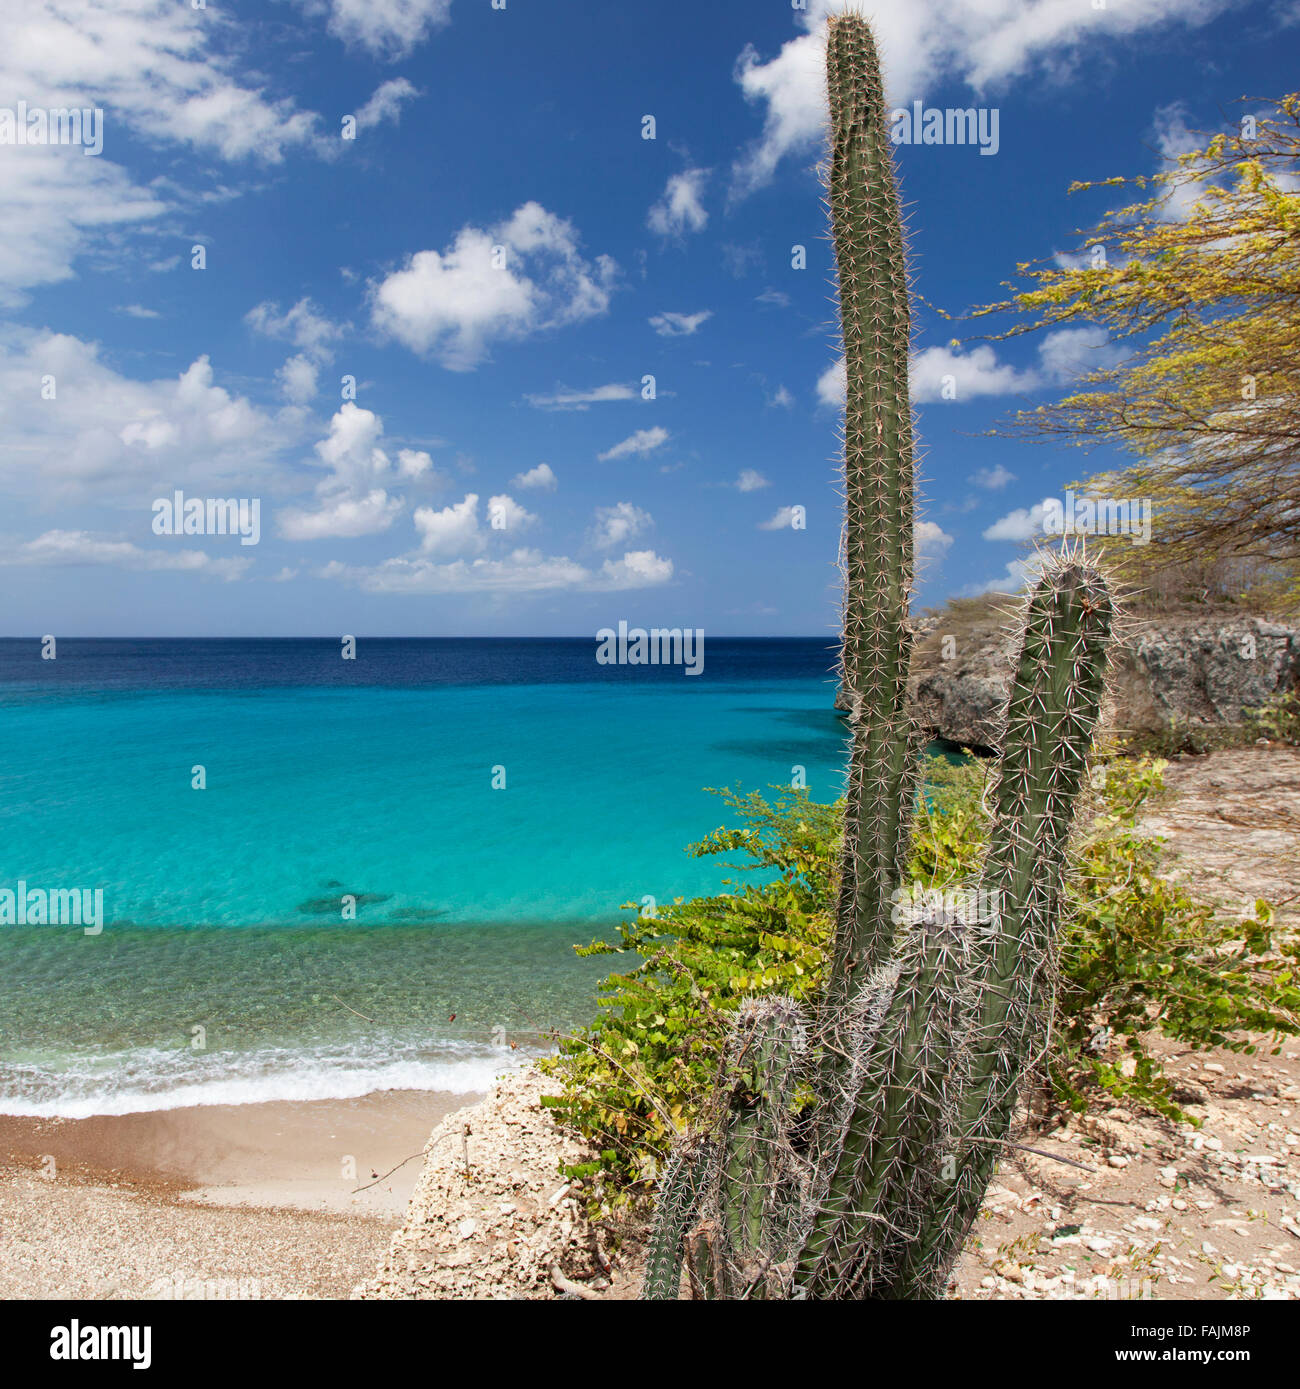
373,780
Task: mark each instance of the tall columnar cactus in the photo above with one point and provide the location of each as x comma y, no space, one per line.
927,1021
877,546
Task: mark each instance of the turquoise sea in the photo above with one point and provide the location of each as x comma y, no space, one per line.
227,972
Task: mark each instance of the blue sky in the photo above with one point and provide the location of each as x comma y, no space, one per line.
499,260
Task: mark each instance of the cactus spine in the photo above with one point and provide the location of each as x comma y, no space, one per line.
924,1030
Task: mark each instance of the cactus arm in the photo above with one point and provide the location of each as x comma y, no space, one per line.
759,1197
1053,710
732,1193
902,1121
679,1199
925,1030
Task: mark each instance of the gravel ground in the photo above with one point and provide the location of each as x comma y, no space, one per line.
1174,1210
1232,820
1165,1210
76,1239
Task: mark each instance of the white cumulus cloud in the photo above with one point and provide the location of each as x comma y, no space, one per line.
930,539
945,373
520,571
983,43
992,479
1069,353
340,517
109,437
304,325
453,530
386,103
832,384
1021,524
1017,574
64,548
565,399
353,498
384,28
953,374
505,514
58,207
542,477
637,569
415,464
297,379
506,282
170,72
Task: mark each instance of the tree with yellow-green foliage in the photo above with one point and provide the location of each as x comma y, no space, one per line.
1197,285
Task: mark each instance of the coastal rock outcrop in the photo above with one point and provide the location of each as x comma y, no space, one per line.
492,1216
1192,669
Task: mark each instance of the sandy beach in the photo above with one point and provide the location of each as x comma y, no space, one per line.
258,1200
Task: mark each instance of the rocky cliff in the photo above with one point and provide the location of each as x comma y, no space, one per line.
1198,669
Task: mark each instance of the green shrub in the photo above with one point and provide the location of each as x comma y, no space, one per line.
639,1073
1182,738
1138,955
1142,955
1279,719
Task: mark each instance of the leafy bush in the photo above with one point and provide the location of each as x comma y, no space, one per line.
1181,738
1279,719
1138,955
638,1074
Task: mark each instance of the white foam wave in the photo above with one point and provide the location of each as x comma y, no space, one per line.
150,1079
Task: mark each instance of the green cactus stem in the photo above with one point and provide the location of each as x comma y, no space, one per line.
1052,713
878,458
675,1214
759,1191
901,1128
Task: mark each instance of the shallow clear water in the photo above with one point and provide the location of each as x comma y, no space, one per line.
329,779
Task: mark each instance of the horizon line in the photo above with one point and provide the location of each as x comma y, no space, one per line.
335,636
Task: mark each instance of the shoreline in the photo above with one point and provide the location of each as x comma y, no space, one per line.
309,1155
